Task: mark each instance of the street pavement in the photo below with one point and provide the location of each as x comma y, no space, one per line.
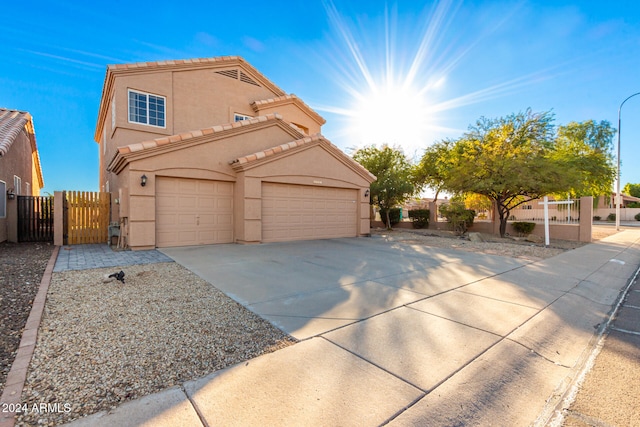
401,334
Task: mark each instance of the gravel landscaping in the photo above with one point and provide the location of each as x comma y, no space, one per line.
100,344
21,268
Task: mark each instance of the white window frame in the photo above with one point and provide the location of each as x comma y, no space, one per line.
27,188
17,185
147,94
3,199
240,117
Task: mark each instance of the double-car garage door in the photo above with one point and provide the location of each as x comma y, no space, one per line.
200,212
302,212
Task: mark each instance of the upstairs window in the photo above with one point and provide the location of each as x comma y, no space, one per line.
146,109
239,117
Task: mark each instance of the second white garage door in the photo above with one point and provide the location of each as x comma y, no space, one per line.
301,212
193,212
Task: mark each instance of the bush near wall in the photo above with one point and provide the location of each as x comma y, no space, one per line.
523,228
611,217
394,216
458,216
637,217
419,217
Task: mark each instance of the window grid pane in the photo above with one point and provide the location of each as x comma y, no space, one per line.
146,109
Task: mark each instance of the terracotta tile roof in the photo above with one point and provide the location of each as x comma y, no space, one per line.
158,142
309,140
12,122
286,99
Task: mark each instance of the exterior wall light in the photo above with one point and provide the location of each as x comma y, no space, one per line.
143,180
366,193
11,194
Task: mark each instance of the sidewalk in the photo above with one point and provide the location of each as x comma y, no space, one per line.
503,349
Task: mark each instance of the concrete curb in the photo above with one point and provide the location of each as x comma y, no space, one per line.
18,373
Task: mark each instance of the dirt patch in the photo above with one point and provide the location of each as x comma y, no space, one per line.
21,268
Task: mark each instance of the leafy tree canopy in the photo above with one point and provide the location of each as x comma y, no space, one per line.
518,157
395,178
632,189
587,149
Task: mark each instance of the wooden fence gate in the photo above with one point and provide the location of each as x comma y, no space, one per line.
86,217
35,219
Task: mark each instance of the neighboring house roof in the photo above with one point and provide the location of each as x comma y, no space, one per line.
245,161
288,99
223,62
12,122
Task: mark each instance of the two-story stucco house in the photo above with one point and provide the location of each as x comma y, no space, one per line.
206,151
20,171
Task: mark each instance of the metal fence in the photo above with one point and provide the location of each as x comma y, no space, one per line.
565,211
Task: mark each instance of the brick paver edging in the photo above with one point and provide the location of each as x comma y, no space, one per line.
18,373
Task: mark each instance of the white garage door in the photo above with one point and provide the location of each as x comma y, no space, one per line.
301,212
193,212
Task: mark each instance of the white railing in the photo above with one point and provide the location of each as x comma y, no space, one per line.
565,211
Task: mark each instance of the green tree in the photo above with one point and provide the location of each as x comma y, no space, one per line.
434,165
586,148
632,189
507,160
395,179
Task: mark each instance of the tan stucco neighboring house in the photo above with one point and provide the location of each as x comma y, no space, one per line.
20,171
207,151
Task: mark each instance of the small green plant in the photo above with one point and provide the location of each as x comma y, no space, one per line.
419,217
637,217
523,228
597,218
634,205
458,216
611,217
394,216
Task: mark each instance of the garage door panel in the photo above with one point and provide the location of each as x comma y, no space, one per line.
296,212
193,212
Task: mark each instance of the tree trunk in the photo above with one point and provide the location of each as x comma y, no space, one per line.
388,220
504,217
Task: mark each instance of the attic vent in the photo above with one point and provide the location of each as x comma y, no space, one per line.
247,79
229,73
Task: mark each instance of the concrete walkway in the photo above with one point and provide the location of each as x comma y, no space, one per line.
400,335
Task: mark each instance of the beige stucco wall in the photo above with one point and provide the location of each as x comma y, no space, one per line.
195,99
293,114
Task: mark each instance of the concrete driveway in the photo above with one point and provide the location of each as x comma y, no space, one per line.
308,288
398,334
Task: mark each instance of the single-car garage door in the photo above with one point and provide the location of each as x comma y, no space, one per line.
193,212
302,212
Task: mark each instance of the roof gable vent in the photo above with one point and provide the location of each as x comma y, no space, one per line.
247,79
229,73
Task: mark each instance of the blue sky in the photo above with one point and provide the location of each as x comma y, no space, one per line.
451,61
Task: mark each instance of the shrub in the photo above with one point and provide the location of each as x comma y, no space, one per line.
419,217
597,218
611,217
523,228
394,216
458,216
634,205
637,217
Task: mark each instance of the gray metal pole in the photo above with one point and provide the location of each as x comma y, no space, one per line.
618,199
